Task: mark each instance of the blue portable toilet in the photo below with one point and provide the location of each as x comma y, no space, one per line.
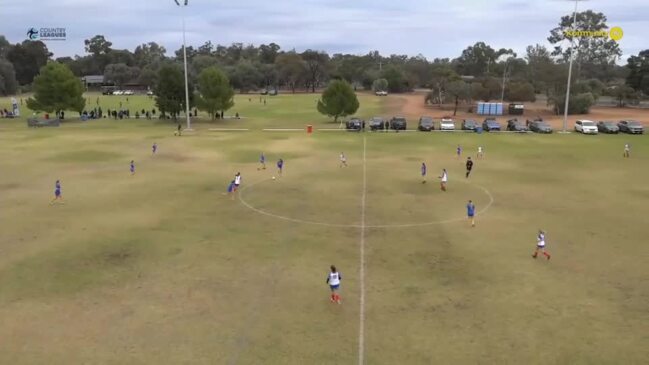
499,108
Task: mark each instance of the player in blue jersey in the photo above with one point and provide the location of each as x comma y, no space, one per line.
262,162
459,151
232,188
470,212
132,167
57,191
280,166
423,172
154,148
333,279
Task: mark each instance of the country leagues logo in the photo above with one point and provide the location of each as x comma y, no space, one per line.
46,34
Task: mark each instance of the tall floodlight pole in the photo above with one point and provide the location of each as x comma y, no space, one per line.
572,50
502,94
189,123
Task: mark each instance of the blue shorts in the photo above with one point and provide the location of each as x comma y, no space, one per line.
470,215
334,287
57,192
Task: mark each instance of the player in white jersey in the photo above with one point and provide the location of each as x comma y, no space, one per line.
333,279
237,181
540,245
343,160
627,150
480,152
444,178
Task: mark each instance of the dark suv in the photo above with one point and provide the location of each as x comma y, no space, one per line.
630,126
354,125
516,125
377,124
469,125
426,124
398,123
490,124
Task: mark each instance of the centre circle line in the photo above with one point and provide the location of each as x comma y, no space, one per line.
325,224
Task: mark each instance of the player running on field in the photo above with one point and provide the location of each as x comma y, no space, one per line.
237,181
132,167
459,151
343,159
540,245
57,191
469,166
280,166
423,172
154,148
627,150
231,189
333,279
262,162
444,179
470,212
480,152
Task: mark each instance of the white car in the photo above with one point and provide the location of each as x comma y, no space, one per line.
447,124
586,127
118,92
128,92
381,93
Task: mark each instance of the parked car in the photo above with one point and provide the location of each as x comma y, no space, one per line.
149,93
607,127
128,92
447,124
469,125
540,126
354,125
426,124
377,123
586,126
381,93
630,126
398,123
490,125
118,92
516,125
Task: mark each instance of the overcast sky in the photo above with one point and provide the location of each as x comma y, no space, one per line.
432,28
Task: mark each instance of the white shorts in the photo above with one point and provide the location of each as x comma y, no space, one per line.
540,244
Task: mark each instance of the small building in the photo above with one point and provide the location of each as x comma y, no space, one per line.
94,81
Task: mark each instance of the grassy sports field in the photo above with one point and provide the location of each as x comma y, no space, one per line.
162,267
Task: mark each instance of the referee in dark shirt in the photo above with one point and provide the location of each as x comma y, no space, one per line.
469,166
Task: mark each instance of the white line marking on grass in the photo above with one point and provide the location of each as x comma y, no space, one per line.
325,224
361,325
228,129
283,129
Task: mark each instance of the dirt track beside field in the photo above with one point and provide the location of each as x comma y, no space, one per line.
412,107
